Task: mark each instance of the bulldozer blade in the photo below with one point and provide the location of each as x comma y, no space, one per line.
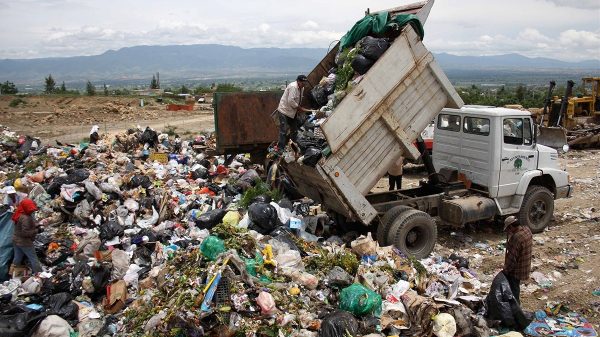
554,137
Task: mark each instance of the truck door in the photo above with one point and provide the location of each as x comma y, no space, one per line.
518,154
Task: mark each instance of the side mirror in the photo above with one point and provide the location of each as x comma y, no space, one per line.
565,148
535,133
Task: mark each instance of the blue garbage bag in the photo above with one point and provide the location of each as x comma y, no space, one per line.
6,246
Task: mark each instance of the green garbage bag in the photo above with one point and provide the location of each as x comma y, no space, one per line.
253,264
211,247
378,24
360,301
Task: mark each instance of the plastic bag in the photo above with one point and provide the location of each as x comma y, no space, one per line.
263,217
232,218
502,305
337,276
111,229
93,190
210,219
200,173
266,302
120,261
444,325
361,64
6,245
212,247
338,324
372,47
319,95
364,245
359,300
149,222
19,324
61,304
311,156
139,180
289,261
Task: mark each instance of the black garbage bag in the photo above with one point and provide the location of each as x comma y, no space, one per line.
361,64
306,141
61,304
372,47
263,217
319,95
338,324
80,270
211,218
111,229
502,305
140,180
73,176
206,163
200,173
60,282
142,256
149,136
459,261
100,278
312,156
20,324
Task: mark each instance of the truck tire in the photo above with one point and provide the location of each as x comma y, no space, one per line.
414,233
386,222
537,208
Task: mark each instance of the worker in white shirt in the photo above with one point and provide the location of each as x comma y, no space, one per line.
395,174
288,107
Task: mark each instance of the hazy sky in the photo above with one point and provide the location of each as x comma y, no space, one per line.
560,29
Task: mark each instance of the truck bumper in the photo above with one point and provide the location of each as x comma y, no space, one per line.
564,192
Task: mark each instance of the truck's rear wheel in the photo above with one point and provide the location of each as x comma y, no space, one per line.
414,233
537,208
386,222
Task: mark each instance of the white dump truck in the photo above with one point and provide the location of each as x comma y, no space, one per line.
486,163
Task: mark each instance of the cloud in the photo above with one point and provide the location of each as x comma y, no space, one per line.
310,25
570,45
582,4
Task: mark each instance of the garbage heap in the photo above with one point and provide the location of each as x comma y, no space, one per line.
145,234
358,51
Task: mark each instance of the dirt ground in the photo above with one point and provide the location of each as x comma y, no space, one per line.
70,118
567,252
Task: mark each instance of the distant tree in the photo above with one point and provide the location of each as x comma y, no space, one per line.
49,85
184,90
202,90
228,87
8,88
154,83
90,89
63,87
520,93
105,90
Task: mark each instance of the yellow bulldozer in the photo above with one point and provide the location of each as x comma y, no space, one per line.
572,119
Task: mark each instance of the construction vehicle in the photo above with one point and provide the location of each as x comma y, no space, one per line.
583,108
486,162
566,119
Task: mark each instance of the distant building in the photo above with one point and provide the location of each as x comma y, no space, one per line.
148,92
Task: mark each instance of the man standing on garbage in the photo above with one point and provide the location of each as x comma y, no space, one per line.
289,105
517,261
25,231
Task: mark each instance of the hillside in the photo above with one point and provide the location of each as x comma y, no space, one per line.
218,61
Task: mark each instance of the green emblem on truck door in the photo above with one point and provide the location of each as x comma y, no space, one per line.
518,163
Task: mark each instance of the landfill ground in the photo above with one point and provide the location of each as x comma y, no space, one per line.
69,118
566,253
569,246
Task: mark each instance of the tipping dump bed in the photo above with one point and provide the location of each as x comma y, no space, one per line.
374,124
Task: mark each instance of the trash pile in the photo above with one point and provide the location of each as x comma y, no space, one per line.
132,244
358,51
584,136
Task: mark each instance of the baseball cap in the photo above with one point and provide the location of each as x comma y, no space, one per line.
509,221
301,78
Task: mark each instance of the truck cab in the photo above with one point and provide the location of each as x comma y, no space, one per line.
494,150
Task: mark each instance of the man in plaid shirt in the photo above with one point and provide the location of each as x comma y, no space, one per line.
517,262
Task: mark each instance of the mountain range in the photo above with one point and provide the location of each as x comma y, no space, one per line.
219,61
